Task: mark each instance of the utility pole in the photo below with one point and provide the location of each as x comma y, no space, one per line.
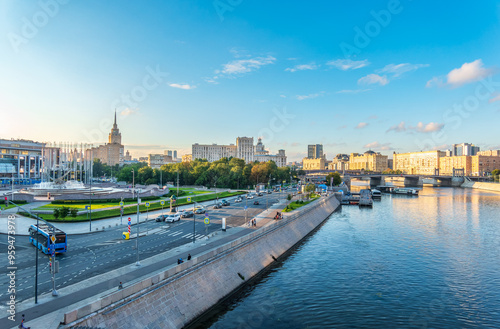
177,182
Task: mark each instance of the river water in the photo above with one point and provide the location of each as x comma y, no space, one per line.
431,261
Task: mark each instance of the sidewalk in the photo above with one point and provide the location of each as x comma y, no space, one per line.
49,311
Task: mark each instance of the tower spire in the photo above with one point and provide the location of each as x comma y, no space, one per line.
114,124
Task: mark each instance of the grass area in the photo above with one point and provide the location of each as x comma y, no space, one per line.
132,209
297,204
81,206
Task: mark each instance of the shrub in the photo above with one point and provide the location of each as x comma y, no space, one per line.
74,212
56,213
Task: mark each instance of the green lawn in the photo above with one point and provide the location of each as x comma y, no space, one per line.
132,209
297,204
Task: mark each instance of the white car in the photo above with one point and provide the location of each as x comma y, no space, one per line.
238,199
173,218
250,196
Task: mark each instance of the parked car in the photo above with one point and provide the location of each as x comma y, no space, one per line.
225,202
256,202
218,205
238,199
199,210
173,218
249,196
187,214
161,218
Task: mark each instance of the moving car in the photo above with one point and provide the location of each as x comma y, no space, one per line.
256,202
225,202
269,191
161,218
187,214
173,218
199,210
218,205
238,199
260,194
249,196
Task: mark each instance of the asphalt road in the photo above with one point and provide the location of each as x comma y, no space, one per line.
96,253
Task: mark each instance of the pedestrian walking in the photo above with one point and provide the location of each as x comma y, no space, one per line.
22,324
189,256
120,286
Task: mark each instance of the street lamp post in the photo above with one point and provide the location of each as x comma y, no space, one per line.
90,207
137,263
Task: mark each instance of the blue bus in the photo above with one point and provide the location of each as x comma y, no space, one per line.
45,232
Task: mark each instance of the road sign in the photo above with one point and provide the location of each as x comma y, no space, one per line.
121,211
121,204
206,220
87,207
147,204
53,238
189,199
162,202
246,207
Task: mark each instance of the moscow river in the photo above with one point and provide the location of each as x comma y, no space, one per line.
431,261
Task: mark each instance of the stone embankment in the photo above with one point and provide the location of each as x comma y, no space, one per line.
179,294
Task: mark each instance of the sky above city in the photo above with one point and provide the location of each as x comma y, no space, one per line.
390,76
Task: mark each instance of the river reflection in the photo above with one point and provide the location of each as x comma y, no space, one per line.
430,261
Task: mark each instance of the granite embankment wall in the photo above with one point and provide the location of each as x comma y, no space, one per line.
173,298
482,186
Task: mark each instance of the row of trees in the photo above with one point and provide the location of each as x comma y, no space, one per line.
226,172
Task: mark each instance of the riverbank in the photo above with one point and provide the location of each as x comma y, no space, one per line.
495,187
188,290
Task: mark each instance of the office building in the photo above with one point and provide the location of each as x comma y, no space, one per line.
315,151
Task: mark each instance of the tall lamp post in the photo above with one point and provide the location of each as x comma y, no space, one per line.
90,196
137,263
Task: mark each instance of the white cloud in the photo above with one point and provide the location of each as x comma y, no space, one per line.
398,128
428,128
379,146
361,125
467,73
283,96
352,91
347,64
181,86
302,67
128,111
302,97
495,99
372,79
242,66
434,82
398,69
420,127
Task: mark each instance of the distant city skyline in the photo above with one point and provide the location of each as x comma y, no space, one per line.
380,75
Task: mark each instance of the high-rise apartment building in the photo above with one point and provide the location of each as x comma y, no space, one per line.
464,149
244,149
315,151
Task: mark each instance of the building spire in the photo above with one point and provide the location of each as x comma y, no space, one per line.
114,124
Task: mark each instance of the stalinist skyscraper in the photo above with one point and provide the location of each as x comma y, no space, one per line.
112,152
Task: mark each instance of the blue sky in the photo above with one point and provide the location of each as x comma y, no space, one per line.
391,76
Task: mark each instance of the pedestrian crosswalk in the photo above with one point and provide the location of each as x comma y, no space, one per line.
178,233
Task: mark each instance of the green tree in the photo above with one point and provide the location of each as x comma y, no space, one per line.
56,213
336,178
74,212
496,175
309,189
64,212
98,168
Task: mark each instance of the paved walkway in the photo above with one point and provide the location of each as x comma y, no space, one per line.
49,311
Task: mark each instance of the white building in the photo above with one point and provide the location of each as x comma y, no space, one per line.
262,155
155,161
244,149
